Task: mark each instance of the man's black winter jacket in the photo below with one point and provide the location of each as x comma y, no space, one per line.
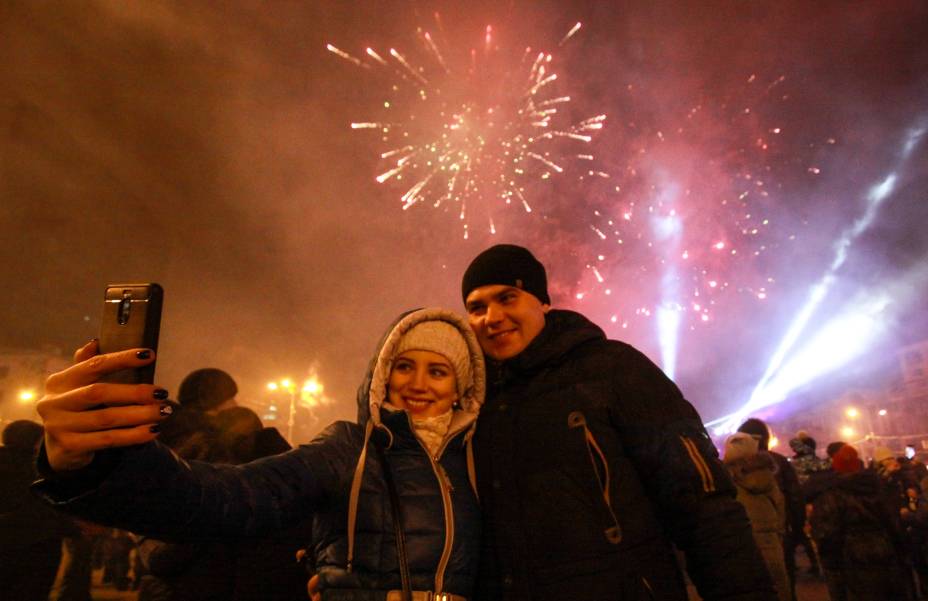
590,463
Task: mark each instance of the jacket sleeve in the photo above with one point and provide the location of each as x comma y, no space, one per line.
689,487
151,491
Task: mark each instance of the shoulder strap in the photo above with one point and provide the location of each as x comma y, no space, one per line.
401,557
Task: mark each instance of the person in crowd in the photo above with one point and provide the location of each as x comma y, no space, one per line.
858,537
242,437
896,477
752,472
918,465
900,490
788,482
916,535
267,568
206,570
590,463
191,429
821,480
832,448
804,459
30,532
806,463
202,570
81,554
921,527
117,547
390,496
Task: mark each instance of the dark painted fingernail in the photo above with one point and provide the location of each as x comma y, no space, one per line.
143,354
155,429
166,410
160,394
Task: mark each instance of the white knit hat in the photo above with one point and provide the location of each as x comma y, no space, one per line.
443,338
738,445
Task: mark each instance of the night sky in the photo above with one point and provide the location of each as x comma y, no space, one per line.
208,147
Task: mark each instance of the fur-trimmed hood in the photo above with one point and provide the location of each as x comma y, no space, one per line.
372,393
755,472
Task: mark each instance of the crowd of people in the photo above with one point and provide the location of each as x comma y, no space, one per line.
862,525
513,453
49,555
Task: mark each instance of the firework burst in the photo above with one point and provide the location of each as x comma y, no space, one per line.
466,131
697,207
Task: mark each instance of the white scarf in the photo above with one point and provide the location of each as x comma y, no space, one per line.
432,430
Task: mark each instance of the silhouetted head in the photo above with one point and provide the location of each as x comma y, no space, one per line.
23,435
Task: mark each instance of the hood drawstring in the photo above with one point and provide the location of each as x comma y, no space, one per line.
471,470
356,492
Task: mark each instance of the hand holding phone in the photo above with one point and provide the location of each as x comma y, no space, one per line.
107,399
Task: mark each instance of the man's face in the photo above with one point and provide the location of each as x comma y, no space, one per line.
505,319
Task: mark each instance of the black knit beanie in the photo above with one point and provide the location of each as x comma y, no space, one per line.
507,265
757,428
205,389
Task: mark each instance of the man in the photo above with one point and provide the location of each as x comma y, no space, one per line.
589,461
191,430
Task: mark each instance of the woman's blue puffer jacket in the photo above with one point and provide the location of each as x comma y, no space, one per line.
148,490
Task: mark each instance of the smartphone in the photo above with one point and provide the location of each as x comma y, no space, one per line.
131,319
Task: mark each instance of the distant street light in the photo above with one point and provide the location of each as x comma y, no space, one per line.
309,396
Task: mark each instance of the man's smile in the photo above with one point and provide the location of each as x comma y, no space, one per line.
501,336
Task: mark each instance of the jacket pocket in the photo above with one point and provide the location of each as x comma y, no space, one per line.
600,466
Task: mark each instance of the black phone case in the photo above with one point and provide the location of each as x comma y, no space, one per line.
131,319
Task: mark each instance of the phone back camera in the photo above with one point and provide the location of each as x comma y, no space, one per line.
125,308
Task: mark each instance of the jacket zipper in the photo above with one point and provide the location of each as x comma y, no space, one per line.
647,586
444,485
576,419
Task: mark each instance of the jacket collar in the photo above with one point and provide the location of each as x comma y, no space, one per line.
563,332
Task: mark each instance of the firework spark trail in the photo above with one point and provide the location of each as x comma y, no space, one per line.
570,34
729,226
345,56
466,138
876,197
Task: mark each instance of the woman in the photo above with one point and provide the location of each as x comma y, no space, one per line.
752,471
417,409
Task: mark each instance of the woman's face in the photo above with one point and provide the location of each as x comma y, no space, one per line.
423,383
